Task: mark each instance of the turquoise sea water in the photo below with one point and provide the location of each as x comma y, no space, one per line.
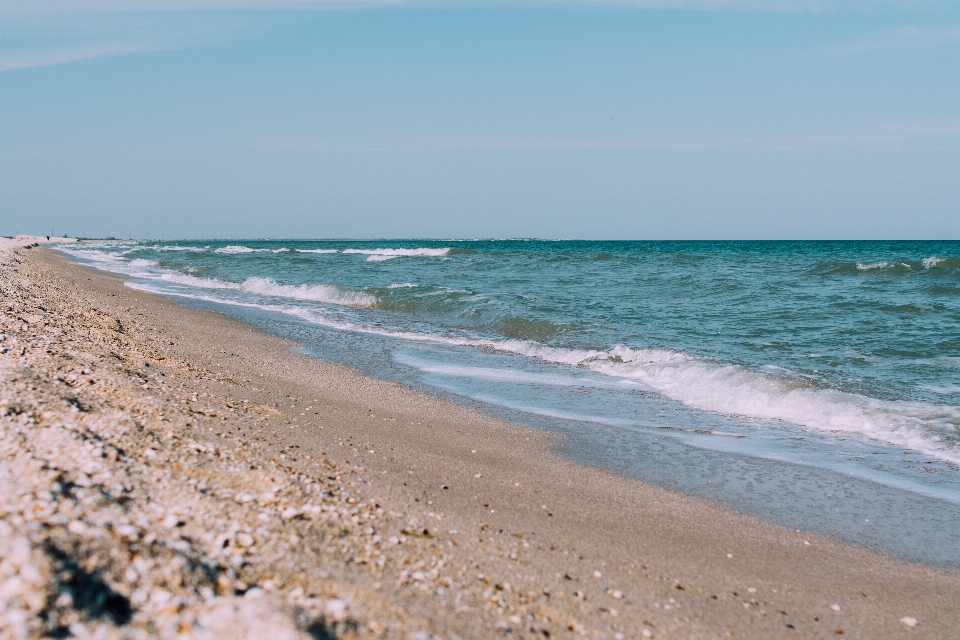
816,384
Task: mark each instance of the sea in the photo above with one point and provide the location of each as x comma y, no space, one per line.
813,384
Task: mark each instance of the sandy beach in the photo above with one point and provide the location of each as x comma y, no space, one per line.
169,472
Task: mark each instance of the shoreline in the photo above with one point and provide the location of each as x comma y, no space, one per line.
525,517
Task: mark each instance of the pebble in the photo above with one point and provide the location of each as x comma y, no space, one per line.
77,527
909,621
336,609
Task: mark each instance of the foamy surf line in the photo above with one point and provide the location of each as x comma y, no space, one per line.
722,389
378,255
325,293
373,255
731,444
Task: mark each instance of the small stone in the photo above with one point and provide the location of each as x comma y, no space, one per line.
752,590
171,521
909,621
289,513
835,607
646,633
616,594
597,574
245,540
77,527
127,532
336,609
295,595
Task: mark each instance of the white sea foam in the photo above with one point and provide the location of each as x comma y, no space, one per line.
234,248
315,292
317,251
193,281
404,285
178,248
869,266
932,261
378,255
269,287
515,375
736,390
113,261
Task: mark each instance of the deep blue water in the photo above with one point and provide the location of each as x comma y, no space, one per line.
816,384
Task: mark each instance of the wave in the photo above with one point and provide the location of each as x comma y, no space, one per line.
896,267
316,292
514,375
239,249
194,281
328,293
177,248
378,255
373,255
234,248
736,390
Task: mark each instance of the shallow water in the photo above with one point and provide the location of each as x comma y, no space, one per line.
814,384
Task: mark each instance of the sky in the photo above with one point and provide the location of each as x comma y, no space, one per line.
660,119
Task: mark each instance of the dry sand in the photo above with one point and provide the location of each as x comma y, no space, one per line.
170,472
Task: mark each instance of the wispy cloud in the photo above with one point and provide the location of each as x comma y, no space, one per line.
26,60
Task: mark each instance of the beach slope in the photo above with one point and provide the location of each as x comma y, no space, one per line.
171,472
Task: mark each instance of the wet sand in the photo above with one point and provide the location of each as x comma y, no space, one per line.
414,515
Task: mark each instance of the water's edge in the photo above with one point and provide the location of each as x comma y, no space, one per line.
803,498
653,414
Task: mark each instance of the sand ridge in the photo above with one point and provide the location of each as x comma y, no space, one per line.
321,501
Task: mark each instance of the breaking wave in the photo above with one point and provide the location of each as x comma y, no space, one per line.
378,255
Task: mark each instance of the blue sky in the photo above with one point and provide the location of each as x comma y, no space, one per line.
670,119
